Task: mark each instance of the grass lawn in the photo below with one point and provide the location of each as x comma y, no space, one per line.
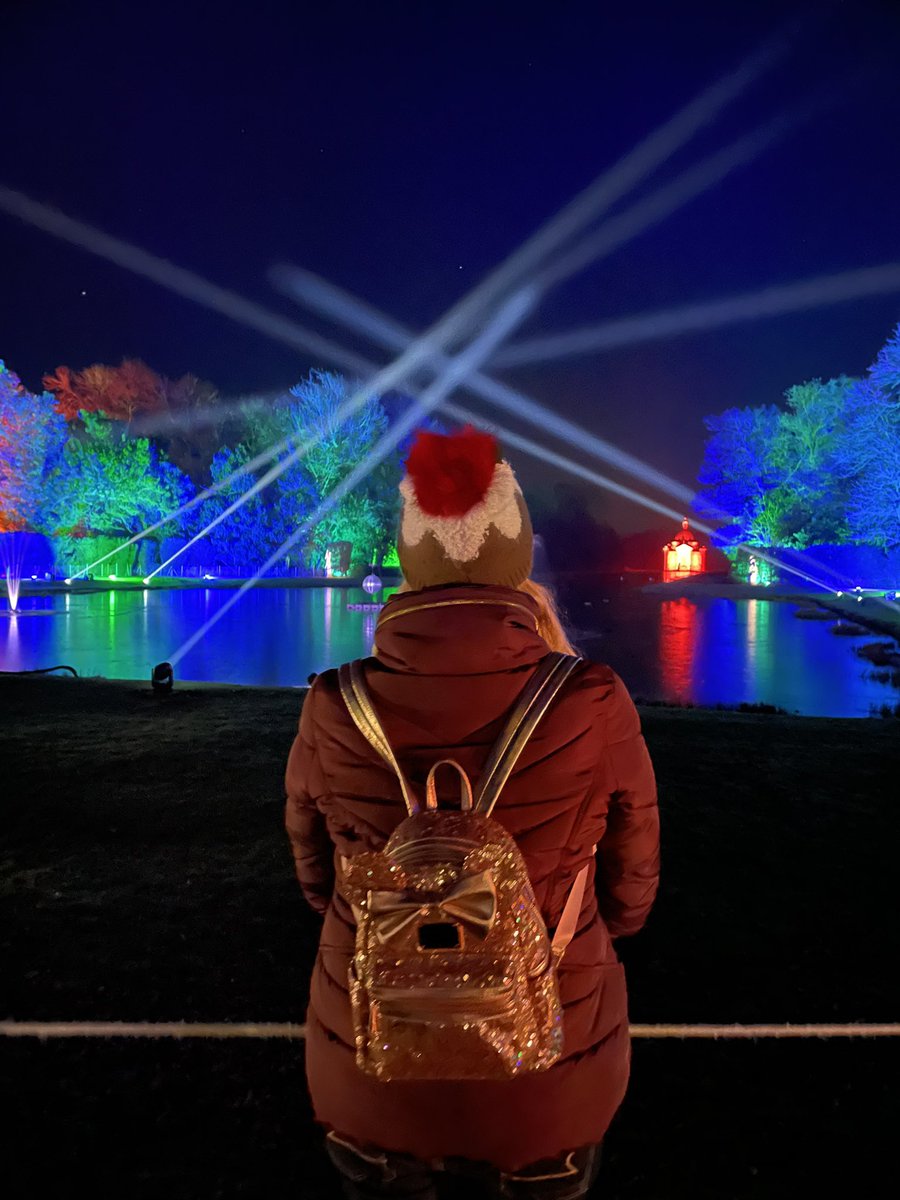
144,875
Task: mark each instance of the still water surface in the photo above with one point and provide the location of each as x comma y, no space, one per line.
700,651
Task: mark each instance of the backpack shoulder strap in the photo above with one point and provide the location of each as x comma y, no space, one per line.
568,922
359,705
536,698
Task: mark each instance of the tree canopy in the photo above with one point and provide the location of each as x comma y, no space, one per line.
823,469
31,435
106,452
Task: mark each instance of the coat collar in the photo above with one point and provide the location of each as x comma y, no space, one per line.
463,629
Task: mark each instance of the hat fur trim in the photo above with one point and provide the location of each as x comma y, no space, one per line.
461,537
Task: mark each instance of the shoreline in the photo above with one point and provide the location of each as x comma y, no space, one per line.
860,608
169,583
98,686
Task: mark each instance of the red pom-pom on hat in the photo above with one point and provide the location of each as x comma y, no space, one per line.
451,473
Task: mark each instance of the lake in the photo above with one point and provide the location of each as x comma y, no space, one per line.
698,651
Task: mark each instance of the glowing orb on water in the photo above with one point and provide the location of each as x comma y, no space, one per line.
371,584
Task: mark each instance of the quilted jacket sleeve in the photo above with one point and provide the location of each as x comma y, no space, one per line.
628,853
311,846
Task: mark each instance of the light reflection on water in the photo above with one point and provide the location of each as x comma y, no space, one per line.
719,651
687,651
678,647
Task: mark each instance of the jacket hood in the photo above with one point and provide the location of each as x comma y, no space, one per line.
464,629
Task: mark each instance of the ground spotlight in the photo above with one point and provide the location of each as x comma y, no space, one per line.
163,678
146,582
68,582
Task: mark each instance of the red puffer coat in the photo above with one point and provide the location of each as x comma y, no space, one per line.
451,662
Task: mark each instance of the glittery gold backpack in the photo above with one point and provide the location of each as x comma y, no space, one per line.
454,974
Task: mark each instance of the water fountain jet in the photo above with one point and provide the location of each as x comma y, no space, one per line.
13,583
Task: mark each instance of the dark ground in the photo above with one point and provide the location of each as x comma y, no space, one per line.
144,875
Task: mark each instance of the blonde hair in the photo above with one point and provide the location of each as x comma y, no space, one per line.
550,625
549,622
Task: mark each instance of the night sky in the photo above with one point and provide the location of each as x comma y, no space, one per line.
403,149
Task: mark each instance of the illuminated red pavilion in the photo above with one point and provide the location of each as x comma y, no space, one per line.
684,555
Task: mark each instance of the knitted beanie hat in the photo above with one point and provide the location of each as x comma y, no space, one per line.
464,518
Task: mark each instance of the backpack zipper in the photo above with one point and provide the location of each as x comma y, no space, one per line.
429,1005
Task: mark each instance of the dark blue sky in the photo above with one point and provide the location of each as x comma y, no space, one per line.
402,149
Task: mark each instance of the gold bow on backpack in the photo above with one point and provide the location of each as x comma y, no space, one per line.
472,902
454,974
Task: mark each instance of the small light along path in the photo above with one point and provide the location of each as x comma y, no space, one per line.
287,1031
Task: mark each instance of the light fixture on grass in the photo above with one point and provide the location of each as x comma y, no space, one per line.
163,678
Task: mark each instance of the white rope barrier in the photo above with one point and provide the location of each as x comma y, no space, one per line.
150,1029
721,1032
291,1032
